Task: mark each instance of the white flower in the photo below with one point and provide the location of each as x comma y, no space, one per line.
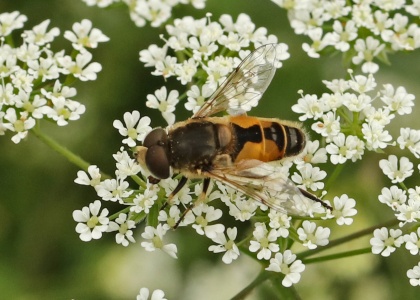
309,106
414,193
357,103
126,165
36,107
233,41
202,47
10,22
382,116
39,35
183,196
155,237
337,86
329,127
227,246
21,79
332,101
186,71
83,177
135,128
344,148
393,197
412,242
264,241
45,68
410,138
341,37
91,224
309,177
312,154
196,98
144,201
217,70
157,12
173,217
366,51
144,292
397,100
164,103
64,110
59,92
408,212
385,242
318,43
170,218
344,210
279,221
19,125
82,68
287,264
152,55
362,84
313,236
375,135
202,225
414,275
165,67
394,172
123,226
113,189
83,35
240,208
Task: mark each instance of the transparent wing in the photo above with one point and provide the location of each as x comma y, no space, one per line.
245,85
265,184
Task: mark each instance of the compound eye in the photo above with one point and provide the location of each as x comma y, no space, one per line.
155,137
157,161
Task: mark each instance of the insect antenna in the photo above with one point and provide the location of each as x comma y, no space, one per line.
314,198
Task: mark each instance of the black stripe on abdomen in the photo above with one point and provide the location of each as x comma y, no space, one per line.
275,133
296,141
251,134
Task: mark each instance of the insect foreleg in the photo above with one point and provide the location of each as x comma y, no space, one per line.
201,198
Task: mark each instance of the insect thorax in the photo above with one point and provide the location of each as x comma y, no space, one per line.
194,146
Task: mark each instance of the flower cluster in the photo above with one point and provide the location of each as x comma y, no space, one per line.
156,12
385,241
202,52
204,42
365,30
352,118
32,75
404,202
350,121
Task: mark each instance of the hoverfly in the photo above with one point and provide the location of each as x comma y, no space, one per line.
234,149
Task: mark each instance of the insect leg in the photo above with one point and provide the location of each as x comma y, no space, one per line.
206,184
180,185
316,199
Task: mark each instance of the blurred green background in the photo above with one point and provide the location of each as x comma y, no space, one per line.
43,258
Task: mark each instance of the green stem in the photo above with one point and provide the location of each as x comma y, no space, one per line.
334,176
73,158
284,293
139,181
263,276
337,255
348,238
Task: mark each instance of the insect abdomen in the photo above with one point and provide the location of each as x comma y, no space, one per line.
265,139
